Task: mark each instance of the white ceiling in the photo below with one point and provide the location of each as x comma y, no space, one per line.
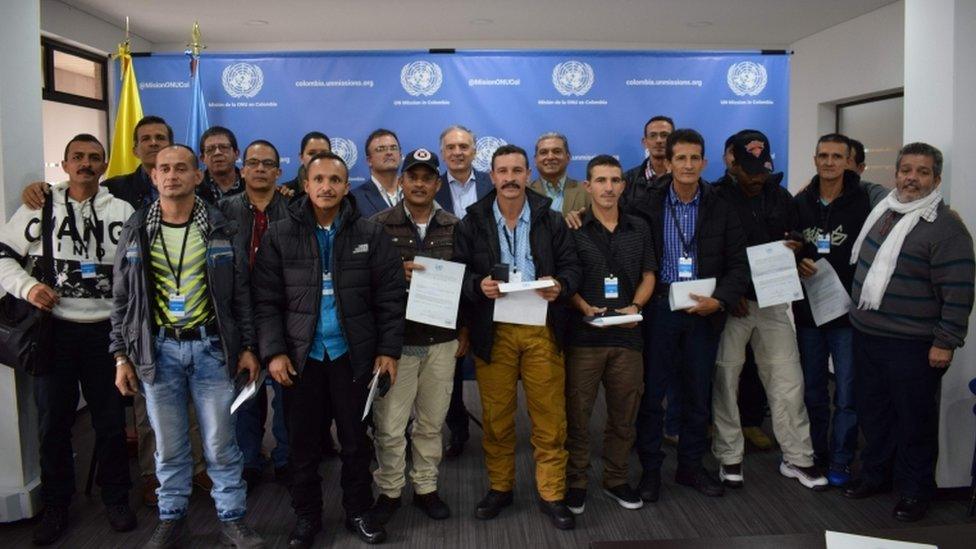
382,24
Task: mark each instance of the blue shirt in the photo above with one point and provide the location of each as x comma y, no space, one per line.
462,194
556,192
328,334
687,217
515,248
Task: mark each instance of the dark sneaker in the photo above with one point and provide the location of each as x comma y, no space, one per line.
839,475
120,517
650,486
240,535
432,504
54,521
910,509
809,477
303,534
731,475
626,497
167,535
700,480
576,500
384,508
492,504
860,489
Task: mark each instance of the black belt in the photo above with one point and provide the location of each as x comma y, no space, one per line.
192,334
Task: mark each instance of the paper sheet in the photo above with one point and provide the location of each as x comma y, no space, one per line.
508,287
774,275
521,307
679,294
248,391
826,293
435,292
373,388
839,540
604,321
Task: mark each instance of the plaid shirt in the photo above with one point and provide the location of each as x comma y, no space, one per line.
522,260
673,248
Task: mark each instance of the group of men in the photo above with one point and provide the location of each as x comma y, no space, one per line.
192,280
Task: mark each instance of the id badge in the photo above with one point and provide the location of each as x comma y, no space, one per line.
685,268
88,269
611,289
823,244
327,288
177,305
514,276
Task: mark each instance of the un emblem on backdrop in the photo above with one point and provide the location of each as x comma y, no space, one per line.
747,78
242,79
572,78
346,150
485,147
421,78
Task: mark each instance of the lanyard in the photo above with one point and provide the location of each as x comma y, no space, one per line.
685,243
177,273
512,242
89,225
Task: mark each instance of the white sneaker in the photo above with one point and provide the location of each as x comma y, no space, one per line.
808,476
731,475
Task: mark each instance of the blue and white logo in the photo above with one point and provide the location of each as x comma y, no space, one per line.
747,78
485,147
242,79
572,78
421,78
346,150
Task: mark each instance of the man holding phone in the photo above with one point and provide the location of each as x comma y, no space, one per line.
330,300
512,235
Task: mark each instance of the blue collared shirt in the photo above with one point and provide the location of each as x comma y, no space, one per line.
556,192
328,333
517,242
687,217
462,194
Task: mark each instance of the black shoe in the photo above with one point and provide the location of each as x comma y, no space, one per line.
303,534
53,523
384,508
120,517
168,534
650,486
491,505
454,449
576,500
625,496
558,513
910,509
860,489
700,480
236,533
731,475
366,527
283,474
432,504
252,477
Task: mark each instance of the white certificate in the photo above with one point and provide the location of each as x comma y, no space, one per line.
839,540
521,308
774,274
604,321
508,287
827,296
435,292
679,293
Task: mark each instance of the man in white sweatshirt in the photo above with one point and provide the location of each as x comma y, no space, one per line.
85,228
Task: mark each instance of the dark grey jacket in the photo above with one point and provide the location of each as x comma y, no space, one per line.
133,326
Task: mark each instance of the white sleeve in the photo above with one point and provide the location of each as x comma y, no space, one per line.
14,245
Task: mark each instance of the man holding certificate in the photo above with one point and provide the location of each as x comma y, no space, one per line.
616,253
767,214
425,375
512,236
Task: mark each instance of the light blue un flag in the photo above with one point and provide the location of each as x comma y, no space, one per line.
197,122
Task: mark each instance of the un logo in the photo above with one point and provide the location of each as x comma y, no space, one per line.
572,78
746,78
242,79
421,78
346,150
485,147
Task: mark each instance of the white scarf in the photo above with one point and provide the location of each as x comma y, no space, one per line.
879,275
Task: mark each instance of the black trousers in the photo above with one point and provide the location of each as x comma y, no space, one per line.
326,390
752,396
457,414
81,356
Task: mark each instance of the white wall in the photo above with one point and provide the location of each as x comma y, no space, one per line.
856,59
78,28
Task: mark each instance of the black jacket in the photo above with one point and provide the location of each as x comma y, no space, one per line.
719,236
210,192
766,219
636,178
370,287
842,219
238,209
553,253
136,188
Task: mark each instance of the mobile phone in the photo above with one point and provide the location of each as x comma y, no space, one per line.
500,272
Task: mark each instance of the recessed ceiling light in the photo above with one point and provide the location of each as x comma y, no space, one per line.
700,24
482,21
255,23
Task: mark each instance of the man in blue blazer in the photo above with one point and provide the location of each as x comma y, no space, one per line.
461,186
382,190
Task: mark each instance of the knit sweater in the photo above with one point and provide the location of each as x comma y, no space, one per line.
930,294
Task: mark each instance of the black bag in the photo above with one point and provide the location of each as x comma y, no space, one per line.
26,336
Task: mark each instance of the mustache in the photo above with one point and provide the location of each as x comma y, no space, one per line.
511,185
87,171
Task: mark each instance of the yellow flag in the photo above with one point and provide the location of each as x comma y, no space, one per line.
122,160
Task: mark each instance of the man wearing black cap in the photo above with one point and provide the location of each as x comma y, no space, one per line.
767,215
425,377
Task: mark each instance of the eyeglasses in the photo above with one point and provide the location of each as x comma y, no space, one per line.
386,148
254,163
222,147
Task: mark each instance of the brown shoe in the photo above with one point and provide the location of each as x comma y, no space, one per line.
149,485
202,481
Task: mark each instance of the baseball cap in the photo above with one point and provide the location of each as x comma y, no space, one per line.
750,149
421,157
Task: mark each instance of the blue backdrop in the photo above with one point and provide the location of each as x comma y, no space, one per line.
599,100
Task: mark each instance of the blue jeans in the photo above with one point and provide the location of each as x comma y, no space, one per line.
185,370
815,345
681,350
250,428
